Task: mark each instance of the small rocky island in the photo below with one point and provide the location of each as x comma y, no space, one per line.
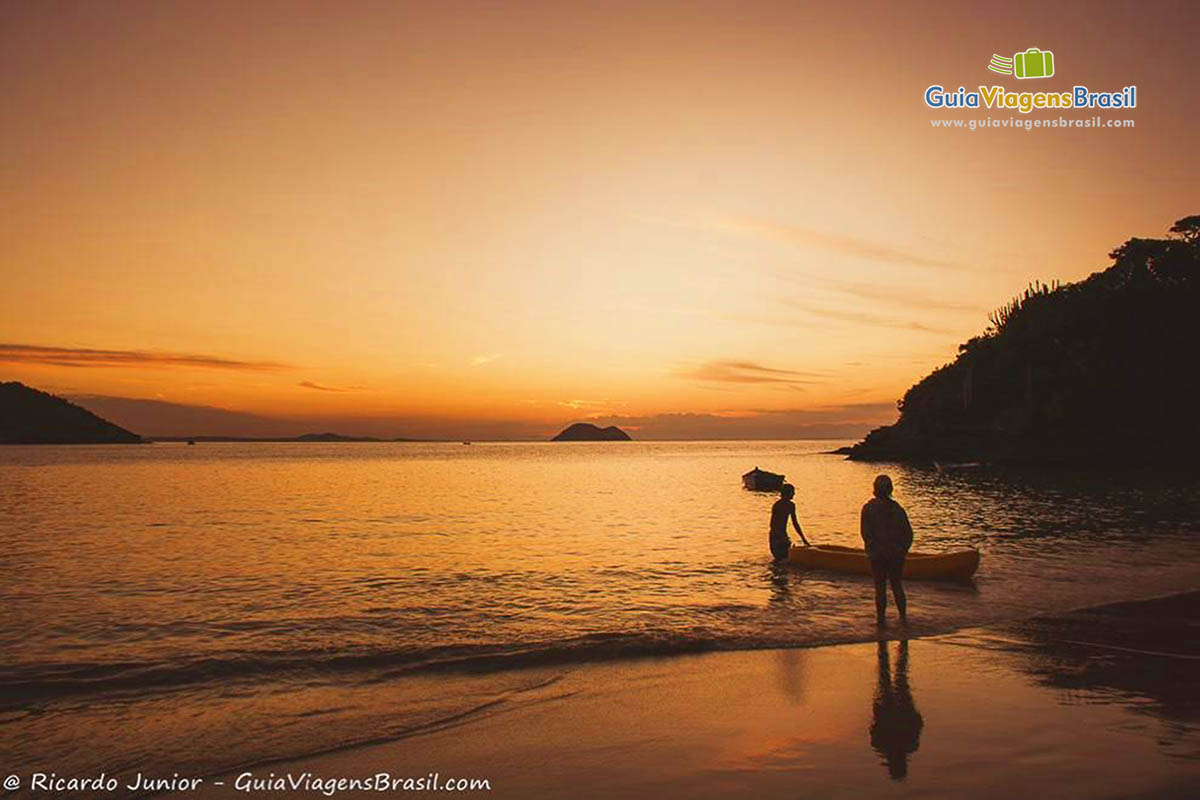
28,416
1104,371
586,432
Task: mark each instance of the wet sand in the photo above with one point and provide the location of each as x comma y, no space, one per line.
1096,703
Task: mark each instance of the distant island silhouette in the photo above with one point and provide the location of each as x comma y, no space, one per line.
1106,369
29,416
587,432
304,437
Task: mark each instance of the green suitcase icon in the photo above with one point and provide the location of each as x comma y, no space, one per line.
1034,63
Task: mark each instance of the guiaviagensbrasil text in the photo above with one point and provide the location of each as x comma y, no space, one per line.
1000,98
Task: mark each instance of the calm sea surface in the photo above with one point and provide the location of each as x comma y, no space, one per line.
195,609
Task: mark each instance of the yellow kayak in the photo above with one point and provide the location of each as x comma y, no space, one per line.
957,566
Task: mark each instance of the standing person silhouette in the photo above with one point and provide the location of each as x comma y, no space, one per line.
780,512
887,535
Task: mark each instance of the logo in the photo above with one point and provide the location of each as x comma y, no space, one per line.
1025,65
1033,63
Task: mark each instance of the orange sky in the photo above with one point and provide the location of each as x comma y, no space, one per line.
490,219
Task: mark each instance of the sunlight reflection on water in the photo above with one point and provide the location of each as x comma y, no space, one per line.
138,572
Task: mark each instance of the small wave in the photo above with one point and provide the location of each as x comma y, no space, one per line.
21,684
463,716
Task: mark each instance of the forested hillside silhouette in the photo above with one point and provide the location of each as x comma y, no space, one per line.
28,416
1103,368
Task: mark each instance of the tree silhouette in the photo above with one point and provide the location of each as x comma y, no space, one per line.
1107,366
1187,228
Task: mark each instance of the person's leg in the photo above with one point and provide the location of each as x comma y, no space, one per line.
879,572
780,549
898,589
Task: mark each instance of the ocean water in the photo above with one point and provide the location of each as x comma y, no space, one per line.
198,609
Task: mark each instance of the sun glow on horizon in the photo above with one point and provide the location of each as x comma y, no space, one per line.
487,221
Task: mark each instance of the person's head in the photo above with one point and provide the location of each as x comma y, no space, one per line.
883,486
787,491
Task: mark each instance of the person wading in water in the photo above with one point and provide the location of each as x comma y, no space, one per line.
780,512
887,535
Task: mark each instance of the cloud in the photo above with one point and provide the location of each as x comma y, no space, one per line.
87,357
748,372
849,421
902,297
590,404
479,361
322,388
164,418
875,320
840,411
831,242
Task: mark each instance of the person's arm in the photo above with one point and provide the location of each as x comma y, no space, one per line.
796,524
864,528
906,529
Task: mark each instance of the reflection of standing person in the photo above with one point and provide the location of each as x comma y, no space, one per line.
896,724
887,535
783,510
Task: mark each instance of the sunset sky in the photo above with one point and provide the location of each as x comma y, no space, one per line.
489,219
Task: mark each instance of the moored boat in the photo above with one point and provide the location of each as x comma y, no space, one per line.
758,480
958,565
943,467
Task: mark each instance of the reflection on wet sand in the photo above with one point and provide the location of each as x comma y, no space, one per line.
1141,656
895,722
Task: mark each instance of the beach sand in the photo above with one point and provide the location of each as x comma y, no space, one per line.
1101,702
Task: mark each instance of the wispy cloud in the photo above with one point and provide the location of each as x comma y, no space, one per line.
748,372
864,318
831,242
158,417
592,405
845,421
902,297
479,361
88,357
837,411
897,296
323,388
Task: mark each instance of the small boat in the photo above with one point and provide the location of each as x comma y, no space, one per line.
943,468
757,480
956,566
